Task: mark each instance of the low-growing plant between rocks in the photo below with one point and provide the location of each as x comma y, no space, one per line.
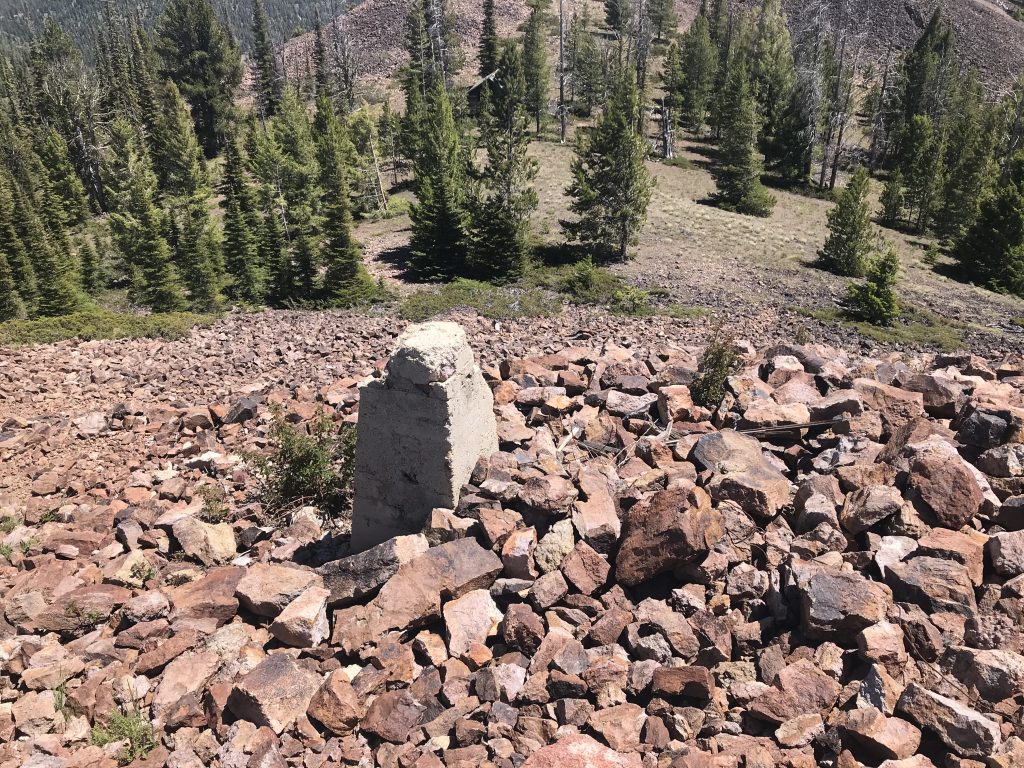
314,465
717,364
131,727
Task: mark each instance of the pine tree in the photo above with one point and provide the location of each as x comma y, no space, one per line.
266,73
929,70
139,225
848,247
300,188
501,218
699,66
876,300
893,200
321,66
773,73
89,267
991,252
488,41
588,81
662,14
921,164
241,256
739,174
611,186
58,292
389,129
11,305
199,54
969,162
617,15
12,247
63,181
535,63
174,148
346,281
440,220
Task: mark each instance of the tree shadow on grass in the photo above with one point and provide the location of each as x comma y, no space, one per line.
400,257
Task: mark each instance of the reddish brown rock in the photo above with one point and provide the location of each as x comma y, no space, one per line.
585,569
672,528
798,689
336,705
946,488
580,751
392,716
275,693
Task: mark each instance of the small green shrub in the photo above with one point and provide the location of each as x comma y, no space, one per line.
931,255
315,468
6,551
143,572
875,300
497,303
131,727
632,301
100,324
717,364
214,509
8,524
26,545
586,283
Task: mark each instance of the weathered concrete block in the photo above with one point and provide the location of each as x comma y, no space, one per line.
422,428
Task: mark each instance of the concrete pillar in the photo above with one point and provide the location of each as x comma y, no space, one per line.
422,428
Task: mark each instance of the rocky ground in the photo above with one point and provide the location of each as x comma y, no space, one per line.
631,581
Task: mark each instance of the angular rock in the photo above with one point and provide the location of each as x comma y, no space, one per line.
962,729
356,576
303,623
1006,553
870,505
836,605
275,693
881,737
800,688
210,544
672,528
620,726
946,488
470,619
336,705
392,716
996,674
580,751
585,569
935,585
267,589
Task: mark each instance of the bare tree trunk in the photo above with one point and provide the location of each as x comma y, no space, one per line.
561,71
877,124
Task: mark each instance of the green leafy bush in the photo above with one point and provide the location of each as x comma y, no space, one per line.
313,467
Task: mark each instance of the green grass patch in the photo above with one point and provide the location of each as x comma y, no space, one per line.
679,161
132,728
1017,322
495,302
585,283
915,327
100,324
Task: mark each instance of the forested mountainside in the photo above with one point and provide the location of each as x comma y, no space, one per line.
21,19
